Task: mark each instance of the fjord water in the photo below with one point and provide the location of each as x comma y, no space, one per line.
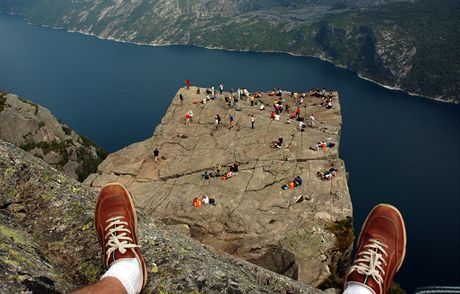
398,149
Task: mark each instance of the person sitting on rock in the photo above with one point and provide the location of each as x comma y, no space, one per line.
217,170
301,126
228,175
322,145
297,181
197,202
205,199
234,168
327,175
279,142
206,175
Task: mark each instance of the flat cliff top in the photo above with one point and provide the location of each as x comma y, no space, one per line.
254,218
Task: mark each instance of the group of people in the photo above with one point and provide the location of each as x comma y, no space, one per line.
198,202
327,175
380,249
292,184
280,105
323,145
217,172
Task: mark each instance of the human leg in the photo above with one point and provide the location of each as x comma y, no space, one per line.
380,252
108,285
116,222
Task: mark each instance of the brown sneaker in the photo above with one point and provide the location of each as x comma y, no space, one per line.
380,251
116,224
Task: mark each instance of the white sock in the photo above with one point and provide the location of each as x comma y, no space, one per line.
356,288
128,271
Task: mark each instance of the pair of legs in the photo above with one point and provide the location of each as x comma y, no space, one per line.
380,250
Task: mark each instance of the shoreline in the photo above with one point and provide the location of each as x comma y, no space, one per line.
319,57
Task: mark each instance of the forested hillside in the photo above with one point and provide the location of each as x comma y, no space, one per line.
411,45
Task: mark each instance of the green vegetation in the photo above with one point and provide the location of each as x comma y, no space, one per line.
343,231
2,101
46,147
66,130
395,288
88,163
31,104
410,44
428,27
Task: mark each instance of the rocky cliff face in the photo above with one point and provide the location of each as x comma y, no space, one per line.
34,129
304,233
48,242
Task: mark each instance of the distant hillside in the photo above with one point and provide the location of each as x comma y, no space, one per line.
34,129
411,45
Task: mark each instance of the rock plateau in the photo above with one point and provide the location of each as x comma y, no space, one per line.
286,231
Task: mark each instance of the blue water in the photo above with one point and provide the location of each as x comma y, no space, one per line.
399,149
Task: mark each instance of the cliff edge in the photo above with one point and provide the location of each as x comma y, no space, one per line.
304,233
48,242
36,130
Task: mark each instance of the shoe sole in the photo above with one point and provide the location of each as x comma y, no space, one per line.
131,201
403,225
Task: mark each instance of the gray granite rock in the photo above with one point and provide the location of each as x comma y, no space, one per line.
254,219
35,129
48,242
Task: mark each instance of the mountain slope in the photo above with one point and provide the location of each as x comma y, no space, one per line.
411,45
34,129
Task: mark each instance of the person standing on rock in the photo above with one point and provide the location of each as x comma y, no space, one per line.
221,88
213,91
231,120
156,154
217,121
297,112
188,117
311,121
253,121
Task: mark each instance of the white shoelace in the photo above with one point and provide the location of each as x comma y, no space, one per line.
117,234
369,262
